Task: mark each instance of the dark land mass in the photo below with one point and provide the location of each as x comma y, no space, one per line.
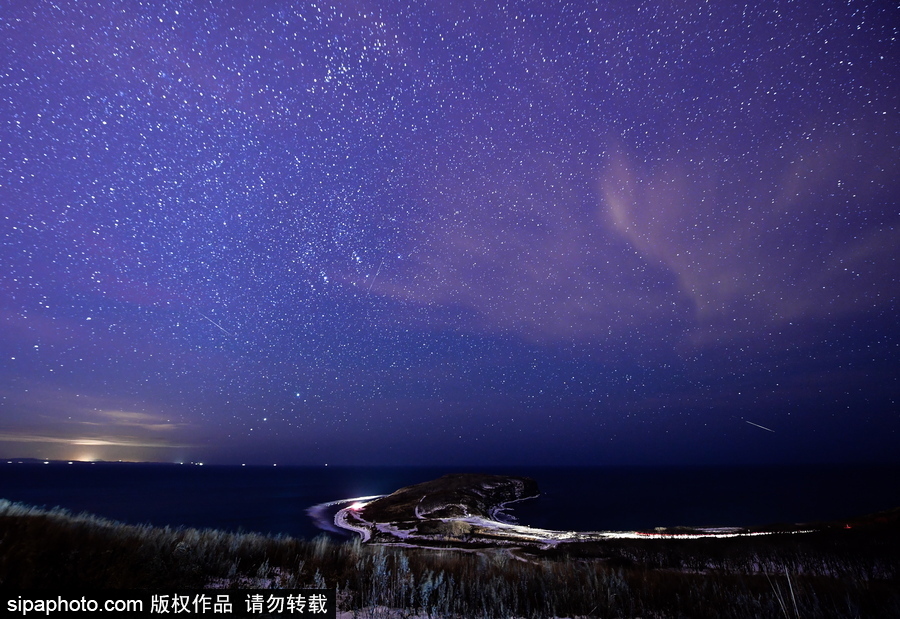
451,496
463,510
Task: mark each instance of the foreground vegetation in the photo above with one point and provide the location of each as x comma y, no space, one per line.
830,573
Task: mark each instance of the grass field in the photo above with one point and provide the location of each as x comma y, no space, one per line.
835,572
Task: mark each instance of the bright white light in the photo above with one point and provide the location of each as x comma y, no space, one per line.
357,505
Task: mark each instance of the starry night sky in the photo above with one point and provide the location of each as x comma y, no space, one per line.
446,232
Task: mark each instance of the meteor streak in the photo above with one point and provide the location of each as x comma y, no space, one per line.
759,426
215,323
372,283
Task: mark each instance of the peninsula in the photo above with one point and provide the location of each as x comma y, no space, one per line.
466,510
453,507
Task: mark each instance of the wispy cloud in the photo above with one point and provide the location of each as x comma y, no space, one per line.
110,441
764,241
54,419
510,247
147,421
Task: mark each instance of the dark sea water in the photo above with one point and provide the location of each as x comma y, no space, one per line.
276,499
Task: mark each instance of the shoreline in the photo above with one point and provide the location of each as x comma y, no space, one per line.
493,531
317,513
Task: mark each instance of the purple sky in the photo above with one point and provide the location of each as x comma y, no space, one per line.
450,233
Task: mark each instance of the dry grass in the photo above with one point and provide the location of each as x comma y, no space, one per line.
831,574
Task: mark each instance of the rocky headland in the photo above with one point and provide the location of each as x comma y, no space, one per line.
454,507
466,510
